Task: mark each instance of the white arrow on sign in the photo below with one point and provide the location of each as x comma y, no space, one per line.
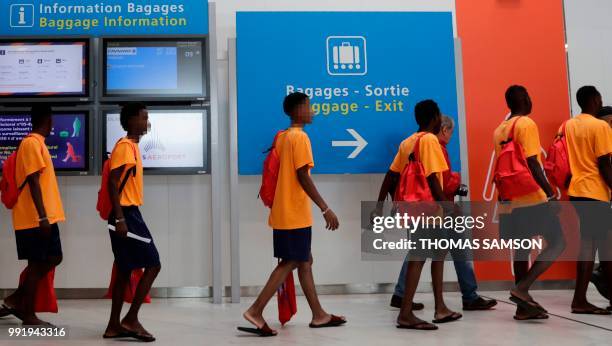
359,143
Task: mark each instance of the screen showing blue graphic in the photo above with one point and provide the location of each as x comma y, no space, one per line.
364,73
68,143
141,68
166,67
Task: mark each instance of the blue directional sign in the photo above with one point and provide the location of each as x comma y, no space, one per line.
103,17
364,72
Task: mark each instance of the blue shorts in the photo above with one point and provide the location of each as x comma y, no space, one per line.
131,253
293,244
33,246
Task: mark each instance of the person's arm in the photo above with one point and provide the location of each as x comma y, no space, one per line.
388,185
605,169
36,192
113,191
309,187
436,188
538,175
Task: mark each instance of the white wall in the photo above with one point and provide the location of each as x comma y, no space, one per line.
177,209
589,28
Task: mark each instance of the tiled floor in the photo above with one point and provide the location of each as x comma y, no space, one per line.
180,322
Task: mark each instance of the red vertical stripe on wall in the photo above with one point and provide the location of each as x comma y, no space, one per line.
509,42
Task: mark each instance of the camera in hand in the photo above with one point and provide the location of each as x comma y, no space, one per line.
462,191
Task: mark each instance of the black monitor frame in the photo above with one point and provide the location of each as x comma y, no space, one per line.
89,78
89,133
102,151
105,97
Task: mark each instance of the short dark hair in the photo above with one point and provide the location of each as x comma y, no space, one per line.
512,95
425,112
585,95
604,112
130,110
292,101
40,113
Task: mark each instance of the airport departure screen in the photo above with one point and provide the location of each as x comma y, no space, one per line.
67,144
176,139
154,68
43,68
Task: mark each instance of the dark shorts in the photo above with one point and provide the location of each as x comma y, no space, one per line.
595,217
131,253
293,244
33,245
528,222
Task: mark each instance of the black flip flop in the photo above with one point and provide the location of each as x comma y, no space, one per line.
4,312
534,317
530,308
450,318
597,311
9,310
143,337
122,335
334,321
418,326
264,331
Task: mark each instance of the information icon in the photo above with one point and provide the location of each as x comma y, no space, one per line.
347,56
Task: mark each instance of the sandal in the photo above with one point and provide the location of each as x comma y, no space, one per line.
334,321
264,331
418,326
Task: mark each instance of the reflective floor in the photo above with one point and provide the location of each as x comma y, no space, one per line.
371,322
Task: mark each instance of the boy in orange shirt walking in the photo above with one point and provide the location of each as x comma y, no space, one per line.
35,216
291,219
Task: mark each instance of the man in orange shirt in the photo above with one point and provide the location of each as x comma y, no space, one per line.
428,117
531,214
589,145
35,216
291,219
127,193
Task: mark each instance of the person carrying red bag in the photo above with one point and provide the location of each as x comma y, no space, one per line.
525,193
37,211
291,220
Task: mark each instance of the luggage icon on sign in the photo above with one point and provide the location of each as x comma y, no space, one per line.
346,55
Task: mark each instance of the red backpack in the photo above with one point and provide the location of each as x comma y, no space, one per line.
8,185
269,176
105,205
413,186
557,165
512,175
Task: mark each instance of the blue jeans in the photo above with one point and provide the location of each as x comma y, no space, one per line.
465,276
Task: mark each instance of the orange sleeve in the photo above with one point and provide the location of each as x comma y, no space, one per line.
302,152
400,160
527,135
603,140
432,156
123,154
32,160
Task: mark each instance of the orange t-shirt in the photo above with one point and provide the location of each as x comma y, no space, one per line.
588,139
526,134
430,154
292,208
126,153
33,156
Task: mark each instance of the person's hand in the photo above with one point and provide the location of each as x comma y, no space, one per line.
121,229
375,213
331,220
45,227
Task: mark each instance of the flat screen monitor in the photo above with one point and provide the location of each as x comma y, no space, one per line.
68,144
176,143
43,69
153,69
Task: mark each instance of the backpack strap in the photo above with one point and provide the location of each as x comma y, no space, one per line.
23,185
561,133
415,154
130,172
274,141
511,133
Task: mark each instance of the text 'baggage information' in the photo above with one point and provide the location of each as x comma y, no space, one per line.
104,17
364,72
